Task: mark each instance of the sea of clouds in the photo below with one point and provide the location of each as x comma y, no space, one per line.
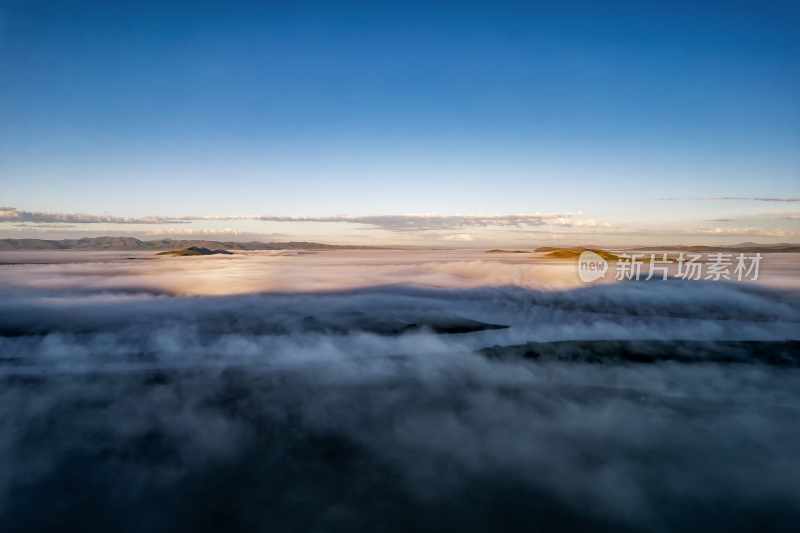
125,405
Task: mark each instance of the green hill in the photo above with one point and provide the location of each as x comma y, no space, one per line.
574,253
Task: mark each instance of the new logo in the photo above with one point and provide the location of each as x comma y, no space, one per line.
591,266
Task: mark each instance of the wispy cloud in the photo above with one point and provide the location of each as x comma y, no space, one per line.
394,223
748,232
773,199
452,228
765,217
11,214
460,237
432,222
26,225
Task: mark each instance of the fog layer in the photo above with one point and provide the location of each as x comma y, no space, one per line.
128,406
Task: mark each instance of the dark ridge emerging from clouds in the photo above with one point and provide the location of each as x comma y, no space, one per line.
778,353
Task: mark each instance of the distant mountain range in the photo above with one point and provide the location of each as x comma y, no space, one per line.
132,244
744,247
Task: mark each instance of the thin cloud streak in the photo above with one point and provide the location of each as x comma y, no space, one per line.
12,214
773,199
402,223
472,229
395,223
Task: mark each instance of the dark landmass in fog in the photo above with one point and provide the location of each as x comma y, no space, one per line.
778,353
195,250
574,253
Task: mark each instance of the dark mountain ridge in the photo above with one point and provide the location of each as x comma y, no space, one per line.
744,247
132,244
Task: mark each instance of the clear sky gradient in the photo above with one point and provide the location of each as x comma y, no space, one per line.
637,115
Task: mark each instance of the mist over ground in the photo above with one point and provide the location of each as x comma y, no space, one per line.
150,395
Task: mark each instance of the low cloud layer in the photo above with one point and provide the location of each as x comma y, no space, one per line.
128,408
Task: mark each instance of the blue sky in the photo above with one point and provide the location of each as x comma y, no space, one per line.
592,110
